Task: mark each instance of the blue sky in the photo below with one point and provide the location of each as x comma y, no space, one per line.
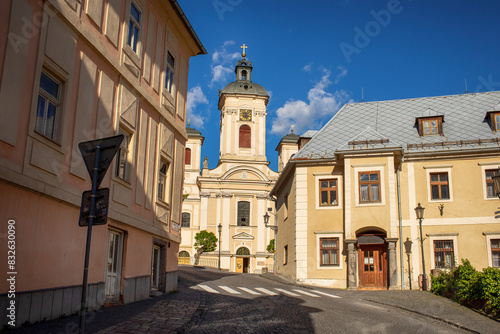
315,56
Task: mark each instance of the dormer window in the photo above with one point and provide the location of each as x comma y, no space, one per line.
495,120
430,126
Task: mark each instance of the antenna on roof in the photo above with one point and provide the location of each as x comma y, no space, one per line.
362,99
466,86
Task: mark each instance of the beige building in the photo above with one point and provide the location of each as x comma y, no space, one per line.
72,71
235,194
346,199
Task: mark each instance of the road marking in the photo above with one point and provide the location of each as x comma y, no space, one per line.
249,291
326,294
287,292
270,293
306,293
228,289
207,288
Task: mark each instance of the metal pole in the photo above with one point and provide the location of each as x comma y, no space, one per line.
400,229
424,279
219,245
89,238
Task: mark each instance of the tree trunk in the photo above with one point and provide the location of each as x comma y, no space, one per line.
197,256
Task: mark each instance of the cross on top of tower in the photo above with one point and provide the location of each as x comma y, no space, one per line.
244,47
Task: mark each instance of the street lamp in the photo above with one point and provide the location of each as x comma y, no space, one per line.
408,245
496,182
275,229
219,229
419,210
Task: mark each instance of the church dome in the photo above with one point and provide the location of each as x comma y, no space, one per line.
243,83
244,87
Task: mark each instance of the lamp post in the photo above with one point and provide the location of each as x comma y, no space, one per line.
408,245
275,229
219,229
419,210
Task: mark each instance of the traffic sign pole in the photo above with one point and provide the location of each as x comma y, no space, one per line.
89,238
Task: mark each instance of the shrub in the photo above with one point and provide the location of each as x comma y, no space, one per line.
468,286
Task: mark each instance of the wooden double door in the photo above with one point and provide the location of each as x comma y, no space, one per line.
372,261
242,265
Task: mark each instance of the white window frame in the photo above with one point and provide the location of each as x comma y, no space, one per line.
445,236
317,178
50,99
484,168
489,236
369,168
329,234
439,169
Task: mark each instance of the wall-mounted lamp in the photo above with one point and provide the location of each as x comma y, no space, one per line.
441,209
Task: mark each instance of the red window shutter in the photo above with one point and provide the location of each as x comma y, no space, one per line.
187,156
245,136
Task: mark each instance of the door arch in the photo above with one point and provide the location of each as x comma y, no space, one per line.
243,260
372,259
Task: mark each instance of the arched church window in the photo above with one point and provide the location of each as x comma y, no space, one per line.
243,213
187,156
243,251
245,136
183,254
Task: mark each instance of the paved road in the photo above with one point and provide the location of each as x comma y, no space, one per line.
211,301
243,303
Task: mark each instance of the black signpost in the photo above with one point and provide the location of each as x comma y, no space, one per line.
97,155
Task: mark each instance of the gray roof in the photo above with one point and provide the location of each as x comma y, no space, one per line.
309,134
392,124
244,87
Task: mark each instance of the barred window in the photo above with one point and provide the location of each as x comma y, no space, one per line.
444,256
329,251
243,213
186,219
495,253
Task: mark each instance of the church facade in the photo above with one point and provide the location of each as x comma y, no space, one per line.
235,194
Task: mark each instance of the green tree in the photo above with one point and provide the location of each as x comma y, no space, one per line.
270,247
204,242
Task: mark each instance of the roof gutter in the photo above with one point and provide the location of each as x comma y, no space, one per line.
184,19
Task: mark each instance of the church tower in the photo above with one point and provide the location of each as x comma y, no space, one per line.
233,198
242,105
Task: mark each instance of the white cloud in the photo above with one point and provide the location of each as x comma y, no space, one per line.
195,97
307,68
320,107
222,64
343,73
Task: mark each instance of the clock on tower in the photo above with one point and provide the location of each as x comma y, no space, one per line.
245,115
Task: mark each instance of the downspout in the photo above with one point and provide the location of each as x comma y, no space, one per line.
400,221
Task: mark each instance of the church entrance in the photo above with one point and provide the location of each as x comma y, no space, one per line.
243,260
242,264
372,260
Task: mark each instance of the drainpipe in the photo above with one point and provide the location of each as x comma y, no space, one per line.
400,221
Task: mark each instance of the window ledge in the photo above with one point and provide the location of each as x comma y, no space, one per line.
163,204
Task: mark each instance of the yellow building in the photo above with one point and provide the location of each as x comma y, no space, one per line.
235,194
72,71
346,199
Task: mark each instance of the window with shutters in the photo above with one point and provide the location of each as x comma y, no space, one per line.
245,136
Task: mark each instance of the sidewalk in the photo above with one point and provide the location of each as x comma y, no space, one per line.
422,303
168,313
